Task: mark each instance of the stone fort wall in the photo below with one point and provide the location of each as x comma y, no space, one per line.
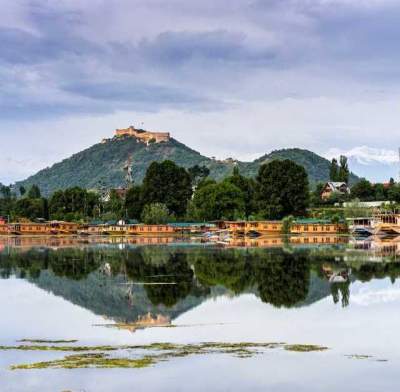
145,136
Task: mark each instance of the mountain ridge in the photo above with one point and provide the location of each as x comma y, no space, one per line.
102,165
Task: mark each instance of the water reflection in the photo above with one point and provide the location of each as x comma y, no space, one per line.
143,284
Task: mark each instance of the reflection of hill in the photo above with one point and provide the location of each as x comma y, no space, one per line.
317,290
109,296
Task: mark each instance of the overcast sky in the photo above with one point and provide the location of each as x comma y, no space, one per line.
229,78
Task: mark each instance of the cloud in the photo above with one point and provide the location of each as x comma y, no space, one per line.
312,73
367,155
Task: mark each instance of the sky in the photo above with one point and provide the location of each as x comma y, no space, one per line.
228,78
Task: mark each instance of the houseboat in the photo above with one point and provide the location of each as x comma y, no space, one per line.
59,227
249,227
28,229
150,230
387,222
361,226
316,226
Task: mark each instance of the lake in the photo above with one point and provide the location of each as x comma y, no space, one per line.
118,314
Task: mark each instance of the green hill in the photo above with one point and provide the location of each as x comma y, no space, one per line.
102,165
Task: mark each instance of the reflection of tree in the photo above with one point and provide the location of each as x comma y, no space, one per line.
167,282
228,268
283,278
341,290
370,271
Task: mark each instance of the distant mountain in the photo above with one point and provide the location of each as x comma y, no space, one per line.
102,165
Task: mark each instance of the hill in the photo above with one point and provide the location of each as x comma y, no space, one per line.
102,165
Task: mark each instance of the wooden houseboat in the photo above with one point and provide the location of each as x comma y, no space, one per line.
312,226
247,227
114,229
60,227
150,230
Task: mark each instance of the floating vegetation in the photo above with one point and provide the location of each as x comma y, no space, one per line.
140,356
358,356
47,341
304,348
362,356
26,347
86,361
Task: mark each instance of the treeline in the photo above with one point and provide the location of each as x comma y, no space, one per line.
169,192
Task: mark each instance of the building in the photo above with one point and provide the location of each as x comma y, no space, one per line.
330,188
142,135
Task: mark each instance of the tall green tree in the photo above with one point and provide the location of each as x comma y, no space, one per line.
217,201
198,173
344,172
134,202
363,190
156,214
34,192
334,170
73,204
282,189
30,208
247,186
169,184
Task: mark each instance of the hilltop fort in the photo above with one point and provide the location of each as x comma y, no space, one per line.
145,136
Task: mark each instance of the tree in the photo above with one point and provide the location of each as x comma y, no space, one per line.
30,208
315,199
22,190
198,173
282,189
363,190
334,170
167,183
134,202
344,172
34,192
217,201
73,204
394,193
155,214
247,186
114,205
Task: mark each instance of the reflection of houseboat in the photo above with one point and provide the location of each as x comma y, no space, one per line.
278,241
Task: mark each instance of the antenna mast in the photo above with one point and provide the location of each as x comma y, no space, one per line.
128,172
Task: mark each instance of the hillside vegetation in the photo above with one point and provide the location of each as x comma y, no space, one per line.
102,165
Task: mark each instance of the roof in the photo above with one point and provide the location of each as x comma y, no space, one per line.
191,224
335,186
312,221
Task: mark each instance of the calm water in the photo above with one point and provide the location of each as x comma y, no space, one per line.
108,292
